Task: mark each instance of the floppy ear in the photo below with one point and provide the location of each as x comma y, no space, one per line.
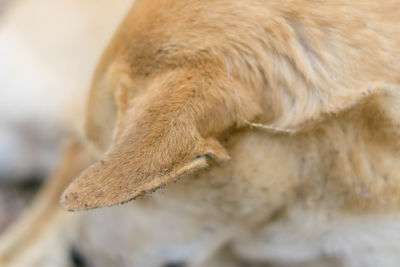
170,131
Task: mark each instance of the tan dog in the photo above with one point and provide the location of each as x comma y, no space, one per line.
284,117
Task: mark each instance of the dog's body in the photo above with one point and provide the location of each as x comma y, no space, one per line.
294,107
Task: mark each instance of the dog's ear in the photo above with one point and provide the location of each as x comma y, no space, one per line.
103,103
171,130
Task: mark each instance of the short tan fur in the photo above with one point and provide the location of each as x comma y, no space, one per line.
179,76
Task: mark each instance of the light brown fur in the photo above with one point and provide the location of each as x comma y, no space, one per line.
188,85
173,88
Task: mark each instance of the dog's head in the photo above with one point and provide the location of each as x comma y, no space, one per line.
178,77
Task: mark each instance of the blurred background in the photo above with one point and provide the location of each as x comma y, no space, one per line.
48,53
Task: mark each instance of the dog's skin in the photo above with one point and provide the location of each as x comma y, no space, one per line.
278,121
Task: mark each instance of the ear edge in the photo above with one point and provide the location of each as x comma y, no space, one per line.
72,199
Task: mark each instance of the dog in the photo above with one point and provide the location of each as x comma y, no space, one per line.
267,130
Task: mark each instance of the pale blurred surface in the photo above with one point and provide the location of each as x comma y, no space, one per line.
48,53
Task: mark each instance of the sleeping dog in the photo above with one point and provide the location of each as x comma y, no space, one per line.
246,132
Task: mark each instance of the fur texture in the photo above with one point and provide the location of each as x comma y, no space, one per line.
173,89
284,117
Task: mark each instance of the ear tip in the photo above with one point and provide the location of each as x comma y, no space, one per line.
79,198
70,201
73,200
